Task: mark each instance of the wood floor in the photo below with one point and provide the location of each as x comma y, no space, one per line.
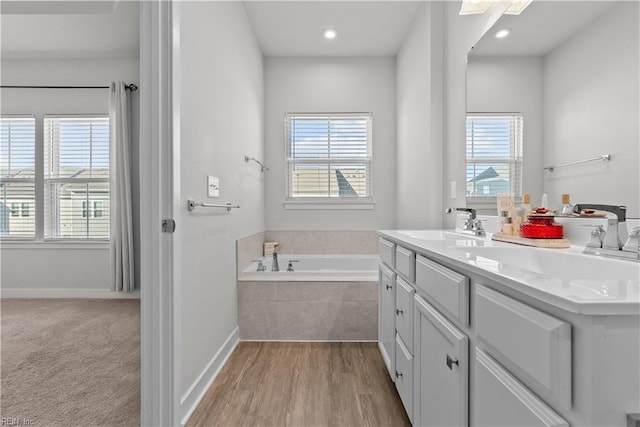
302,384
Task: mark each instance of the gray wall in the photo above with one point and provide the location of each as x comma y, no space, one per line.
331,85
220,121
420,145
591,107
513,85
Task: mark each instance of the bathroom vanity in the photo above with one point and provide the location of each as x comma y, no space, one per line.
483,333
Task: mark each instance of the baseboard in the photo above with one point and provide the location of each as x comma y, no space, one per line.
196,392
67,293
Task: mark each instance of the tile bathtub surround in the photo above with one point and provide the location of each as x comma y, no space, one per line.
325,242
247,249
323,311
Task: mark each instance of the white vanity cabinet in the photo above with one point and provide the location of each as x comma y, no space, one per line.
441,369
487,349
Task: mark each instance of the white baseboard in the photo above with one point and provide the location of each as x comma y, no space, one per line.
67,293
201,385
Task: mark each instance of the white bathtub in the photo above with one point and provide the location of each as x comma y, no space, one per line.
326,268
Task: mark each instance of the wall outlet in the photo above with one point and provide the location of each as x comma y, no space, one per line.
453,189
213,186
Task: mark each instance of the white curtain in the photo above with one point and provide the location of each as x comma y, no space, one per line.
121,225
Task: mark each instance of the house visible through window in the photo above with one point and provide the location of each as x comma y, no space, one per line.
494,156
328,157
76,177
17,176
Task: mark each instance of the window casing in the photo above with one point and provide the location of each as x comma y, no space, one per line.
328,158
76,177
17,176
494,157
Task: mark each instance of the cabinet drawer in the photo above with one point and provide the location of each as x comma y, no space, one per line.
406,263
537,343
404,376
404,312
501,400
447,288
387,252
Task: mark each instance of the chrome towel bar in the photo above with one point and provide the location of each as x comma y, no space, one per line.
262,166
192,204
604,158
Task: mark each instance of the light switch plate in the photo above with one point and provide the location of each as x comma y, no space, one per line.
213,186
453,189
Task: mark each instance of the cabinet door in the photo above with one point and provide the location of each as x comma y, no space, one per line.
441,369
404,377
404,312
387,317
501,401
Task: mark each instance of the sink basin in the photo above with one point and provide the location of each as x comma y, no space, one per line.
555,263
437,235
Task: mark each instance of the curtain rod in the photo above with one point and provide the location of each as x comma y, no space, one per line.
132,87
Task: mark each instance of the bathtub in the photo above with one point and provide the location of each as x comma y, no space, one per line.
325,298
325,268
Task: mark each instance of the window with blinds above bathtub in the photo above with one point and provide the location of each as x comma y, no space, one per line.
328,158
494,157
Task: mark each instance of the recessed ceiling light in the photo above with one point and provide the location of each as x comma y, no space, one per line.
330,34
503,33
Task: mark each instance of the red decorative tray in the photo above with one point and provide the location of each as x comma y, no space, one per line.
541,227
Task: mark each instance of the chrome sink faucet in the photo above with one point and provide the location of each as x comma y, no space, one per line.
472,225
616,233
612,243
274,264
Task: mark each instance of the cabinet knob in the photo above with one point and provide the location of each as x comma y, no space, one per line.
398,374
389,287
399,312
451,361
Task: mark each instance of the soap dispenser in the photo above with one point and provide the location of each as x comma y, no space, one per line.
567,208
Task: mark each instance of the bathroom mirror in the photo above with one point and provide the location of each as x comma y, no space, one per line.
570,69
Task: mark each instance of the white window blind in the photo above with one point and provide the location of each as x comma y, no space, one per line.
76,177
328,156
494,155
17,176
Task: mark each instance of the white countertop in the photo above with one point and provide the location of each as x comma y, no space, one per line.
564,278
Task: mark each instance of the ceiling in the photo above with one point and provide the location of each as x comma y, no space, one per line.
365,28
69,29
540,28
97,28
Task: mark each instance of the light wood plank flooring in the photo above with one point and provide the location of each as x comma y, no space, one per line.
302,384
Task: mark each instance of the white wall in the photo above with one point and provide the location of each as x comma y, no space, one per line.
512,84
461,33
49,269
419,101
330,85
221,120
592,108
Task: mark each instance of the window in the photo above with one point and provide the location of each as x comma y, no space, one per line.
328,157
76,176
494,156
17,176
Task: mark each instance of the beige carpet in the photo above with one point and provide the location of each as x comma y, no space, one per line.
71,362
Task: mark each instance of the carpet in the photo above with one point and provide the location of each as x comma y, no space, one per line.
70,362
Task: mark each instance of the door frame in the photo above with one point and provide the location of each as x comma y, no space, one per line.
159,195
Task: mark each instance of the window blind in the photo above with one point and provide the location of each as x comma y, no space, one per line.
76,177
328,156
494,155
17,176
